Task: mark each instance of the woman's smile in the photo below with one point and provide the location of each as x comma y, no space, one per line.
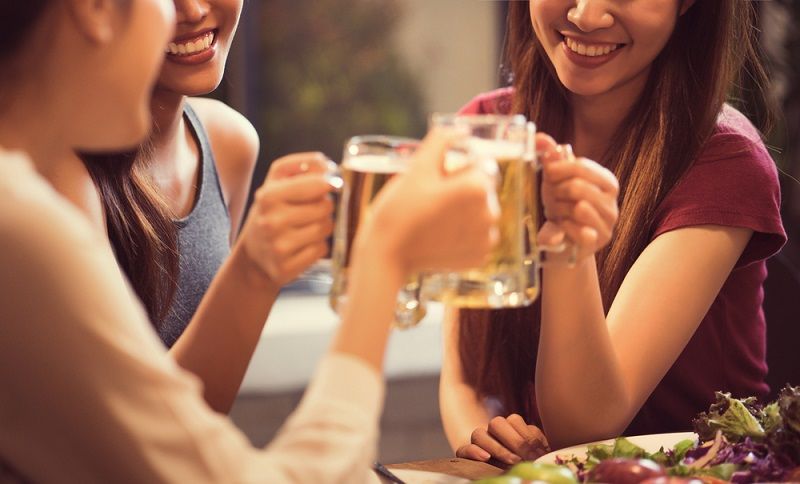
589,54
194,48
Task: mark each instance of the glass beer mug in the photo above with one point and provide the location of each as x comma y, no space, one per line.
505,147
368,163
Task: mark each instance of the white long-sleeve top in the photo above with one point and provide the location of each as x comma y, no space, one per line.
88,394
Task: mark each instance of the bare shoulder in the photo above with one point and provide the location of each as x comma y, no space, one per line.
235,145
233,138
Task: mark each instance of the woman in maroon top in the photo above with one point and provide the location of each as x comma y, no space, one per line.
637,338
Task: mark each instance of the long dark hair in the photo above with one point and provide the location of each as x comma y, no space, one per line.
16,23
16,20
140,227
652,149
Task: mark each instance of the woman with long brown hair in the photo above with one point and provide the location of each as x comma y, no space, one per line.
89,394
172,209
637,338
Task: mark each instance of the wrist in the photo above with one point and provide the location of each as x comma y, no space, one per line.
567,260
250,272
375,253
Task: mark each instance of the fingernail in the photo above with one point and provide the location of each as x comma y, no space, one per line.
514,459
484,455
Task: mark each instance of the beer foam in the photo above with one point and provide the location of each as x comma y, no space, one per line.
375,164
484,152
497,149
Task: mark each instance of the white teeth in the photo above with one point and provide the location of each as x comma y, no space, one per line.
191,47
589,50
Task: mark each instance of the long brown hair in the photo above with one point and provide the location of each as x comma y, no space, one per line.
652,149
16,22
140,227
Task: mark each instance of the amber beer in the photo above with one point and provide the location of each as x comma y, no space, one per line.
503,147
369,163
509,277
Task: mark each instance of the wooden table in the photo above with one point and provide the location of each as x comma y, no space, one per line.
467,469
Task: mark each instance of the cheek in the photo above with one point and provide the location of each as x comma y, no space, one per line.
651,26
545,16
537,14
228,12
652,40
235,8
231,22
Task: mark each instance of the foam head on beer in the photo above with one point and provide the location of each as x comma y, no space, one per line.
483,152
370,163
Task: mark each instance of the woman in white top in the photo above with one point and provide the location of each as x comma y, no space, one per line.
88,393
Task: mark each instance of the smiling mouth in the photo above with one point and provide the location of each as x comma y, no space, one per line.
590,50
194,46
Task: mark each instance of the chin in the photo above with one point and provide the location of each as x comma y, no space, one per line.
584,87
133,135
194,85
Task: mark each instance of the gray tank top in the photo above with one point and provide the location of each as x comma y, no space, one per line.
203,239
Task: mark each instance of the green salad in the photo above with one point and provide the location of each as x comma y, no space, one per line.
739,440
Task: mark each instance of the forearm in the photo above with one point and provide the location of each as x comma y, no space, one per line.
578,374
460,408
220,340
372,294
461,412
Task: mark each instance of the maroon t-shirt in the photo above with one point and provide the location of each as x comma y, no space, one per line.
734,183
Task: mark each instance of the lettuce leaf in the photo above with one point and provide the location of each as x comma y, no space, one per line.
625,448
771,417
789,407
732,417
681,448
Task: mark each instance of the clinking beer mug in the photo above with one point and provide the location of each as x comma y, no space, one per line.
368,163
505,147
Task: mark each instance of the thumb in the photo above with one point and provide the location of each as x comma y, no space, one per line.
550,235
546,149
299,164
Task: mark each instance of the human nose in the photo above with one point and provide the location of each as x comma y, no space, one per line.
191,11
590,15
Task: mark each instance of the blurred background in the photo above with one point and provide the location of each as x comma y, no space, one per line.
310,74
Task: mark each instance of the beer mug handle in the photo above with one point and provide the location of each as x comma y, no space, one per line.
333,176
567,245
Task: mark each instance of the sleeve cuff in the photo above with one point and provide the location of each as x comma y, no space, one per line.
349,381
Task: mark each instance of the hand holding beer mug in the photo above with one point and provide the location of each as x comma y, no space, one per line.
369,162
429,223
579,197
505,146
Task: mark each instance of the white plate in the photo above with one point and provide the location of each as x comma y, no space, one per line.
650,443
424,477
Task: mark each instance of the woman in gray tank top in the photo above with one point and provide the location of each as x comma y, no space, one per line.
173,210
